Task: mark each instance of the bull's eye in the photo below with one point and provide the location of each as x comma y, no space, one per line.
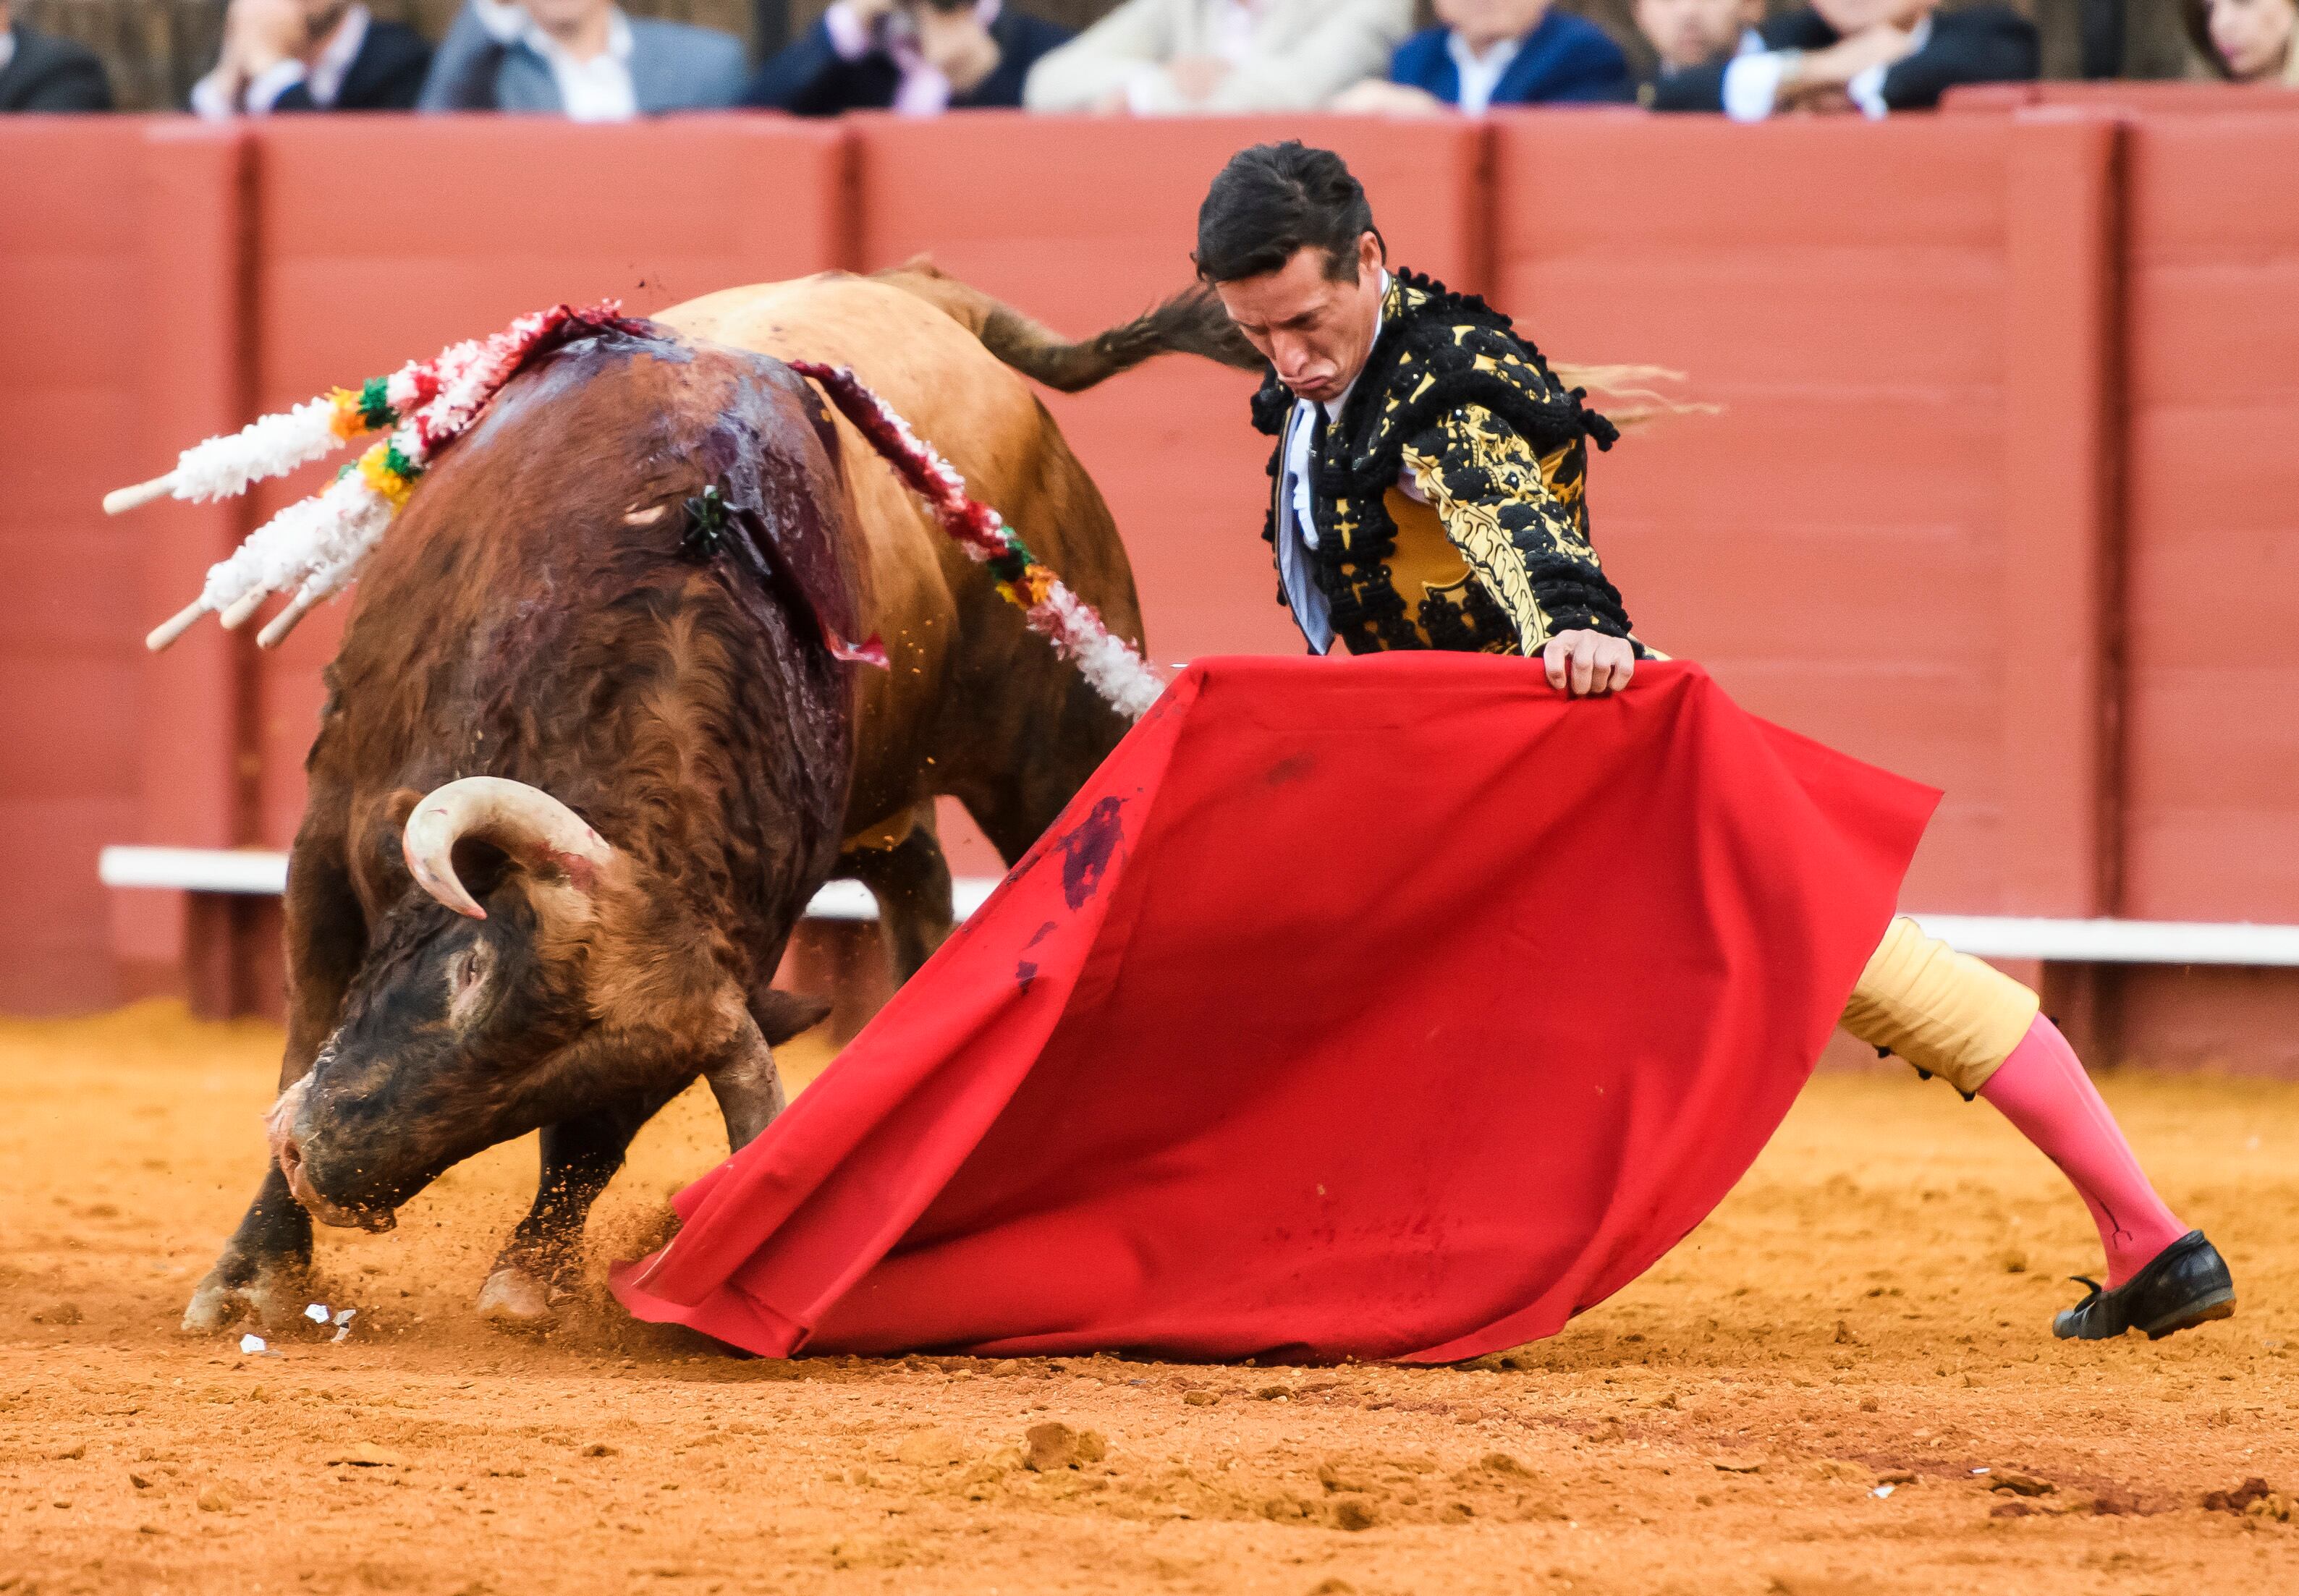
467,974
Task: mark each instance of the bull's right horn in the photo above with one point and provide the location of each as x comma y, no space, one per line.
526,823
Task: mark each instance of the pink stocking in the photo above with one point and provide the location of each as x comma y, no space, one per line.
2043,1090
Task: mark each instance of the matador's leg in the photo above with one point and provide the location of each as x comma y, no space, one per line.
1950,1015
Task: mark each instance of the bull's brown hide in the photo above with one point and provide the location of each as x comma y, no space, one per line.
540,612
964,671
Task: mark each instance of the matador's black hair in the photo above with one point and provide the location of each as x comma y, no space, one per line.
1275,200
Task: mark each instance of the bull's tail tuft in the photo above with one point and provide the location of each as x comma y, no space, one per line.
1192,323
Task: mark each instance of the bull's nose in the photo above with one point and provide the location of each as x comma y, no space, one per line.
287,1151
298,1173
280,1125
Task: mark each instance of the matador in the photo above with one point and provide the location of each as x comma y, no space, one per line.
1428,490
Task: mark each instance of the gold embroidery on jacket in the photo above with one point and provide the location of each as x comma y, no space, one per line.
1495,498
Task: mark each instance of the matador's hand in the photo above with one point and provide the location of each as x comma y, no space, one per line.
1589,665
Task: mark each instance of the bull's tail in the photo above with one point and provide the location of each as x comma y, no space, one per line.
1191,323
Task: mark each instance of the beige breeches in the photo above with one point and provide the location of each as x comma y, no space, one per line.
1943,1011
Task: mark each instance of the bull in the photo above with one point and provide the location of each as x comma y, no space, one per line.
589,745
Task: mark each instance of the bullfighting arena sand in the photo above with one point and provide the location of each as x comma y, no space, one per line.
1800,1399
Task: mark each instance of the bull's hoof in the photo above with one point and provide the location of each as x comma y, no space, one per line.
273,1298
518,1298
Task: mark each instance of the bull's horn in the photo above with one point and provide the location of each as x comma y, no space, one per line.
525,822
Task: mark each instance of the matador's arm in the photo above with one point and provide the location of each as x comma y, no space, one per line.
1523,543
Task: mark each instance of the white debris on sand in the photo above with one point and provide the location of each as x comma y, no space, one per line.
320,1314
254,1346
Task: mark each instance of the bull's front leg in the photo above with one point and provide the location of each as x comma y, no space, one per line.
540,1267
264,1271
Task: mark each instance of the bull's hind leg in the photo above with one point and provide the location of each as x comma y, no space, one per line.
541,1266
266,1266
910,879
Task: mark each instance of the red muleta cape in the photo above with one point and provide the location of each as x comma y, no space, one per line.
1396,1008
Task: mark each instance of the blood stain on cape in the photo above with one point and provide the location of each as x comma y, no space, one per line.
1087,850
1025,971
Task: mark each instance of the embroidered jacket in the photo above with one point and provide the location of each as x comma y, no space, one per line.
1497,559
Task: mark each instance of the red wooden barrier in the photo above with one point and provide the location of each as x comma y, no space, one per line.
2213,752
2208,95
73,192
1832,544
2211,740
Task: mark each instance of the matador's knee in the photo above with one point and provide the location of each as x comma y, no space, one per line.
1943,1011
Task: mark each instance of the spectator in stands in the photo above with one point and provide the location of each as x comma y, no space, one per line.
1488,52
311,55
1173,57
1874,56
2112,40
2246,41
919,57
41,72
581,58
1686,33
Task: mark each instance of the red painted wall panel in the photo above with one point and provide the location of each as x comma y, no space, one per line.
1831,543
2212,748
69,776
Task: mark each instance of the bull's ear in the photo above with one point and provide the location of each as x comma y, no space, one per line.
386,871
782,1015
396,808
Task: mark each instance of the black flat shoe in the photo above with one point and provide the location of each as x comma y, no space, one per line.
2182,1286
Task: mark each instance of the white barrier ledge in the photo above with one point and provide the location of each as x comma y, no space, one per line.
851,900
194,869
1989,936
263,871
2118,941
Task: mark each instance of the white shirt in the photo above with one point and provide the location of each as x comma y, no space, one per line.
7,47
597,90
1752,82
324,77
1297,528
1480,75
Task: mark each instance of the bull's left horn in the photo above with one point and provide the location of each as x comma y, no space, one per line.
526,823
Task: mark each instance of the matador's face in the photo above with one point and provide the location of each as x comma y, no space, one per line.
1315,329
